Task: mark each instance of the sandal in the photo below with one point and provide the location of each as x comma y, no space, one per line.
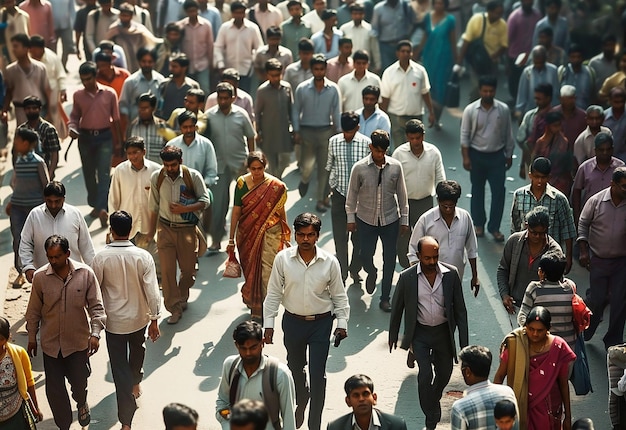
480,231
84,416
497,236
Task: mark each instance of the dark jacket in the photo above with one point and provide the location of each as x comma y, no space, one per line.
387,422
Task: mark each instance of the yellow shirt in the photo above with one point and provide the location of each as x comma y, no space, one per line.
617,79
496,35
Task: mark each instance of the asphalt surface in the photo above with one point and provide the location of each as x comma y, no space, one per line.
185,364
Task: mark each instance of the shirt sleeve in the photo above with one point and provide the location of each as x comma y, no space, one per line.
527,303
566,218
341,307
352,195
287,394
33,310
95,308
211,160
586,217
403,200
151,287
419,231
504,267
223,392
466,126
275,290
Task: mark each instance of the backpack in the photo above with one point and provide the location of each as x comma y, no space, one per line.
270,394
189,194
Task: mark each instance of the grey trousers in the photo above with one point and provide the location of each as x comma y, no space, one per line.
416,210
314,154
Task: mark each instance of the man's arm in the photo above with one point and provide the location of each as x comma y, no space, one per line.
287,394
397,309
440,170
419,231
90,31
502,276
516,215
352,197
85,245
460,311
27,248
223,392
33,315
341,307
275,291
95,307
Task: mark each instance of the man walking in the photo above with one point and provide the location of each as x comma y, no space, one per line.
65,309
307,281
430,297
377,207
132,301
487,147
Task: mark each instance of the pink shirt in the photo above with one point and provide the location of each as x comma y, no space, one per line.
94,111
335,70
198,44
41,19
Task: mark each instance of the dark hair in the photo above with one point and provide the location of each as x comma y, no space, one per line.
477,358
307,219
344,41
488,81
177,414
143,51
609,38
127,8
103,57
273,31
225,87
504,408
401,44
328,13
358,381
493,5
247,330
545,89
188,4
318,59
557,3
121,223
171,153
273,64
618,174
541,165
547,31
414,126
54,188
371,90
186,116
231,74
361,54
57,240
148,97
423,239
256,156
198,93
88,68
30,136
602,138
247,411
553,263
538,217
553,117
618,91
541,314
37,41
106,44
305,45
5,328
135,142
181,59
237,5
172,26
356,7
31,101
349,120
380,139
583,424
448,190
446,3
574,47
294,3
21,38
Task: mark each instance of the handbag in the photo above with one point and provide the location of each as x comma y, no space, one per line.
232,268
581,379
477,55
29,417
453,94
581,314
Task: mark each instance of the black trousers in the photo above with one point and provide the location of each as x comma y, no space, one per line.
75,367
341,237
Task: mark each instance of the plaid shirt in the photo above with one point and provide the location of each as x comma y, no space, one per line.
48,139
561,218
153,136
342,156
475,409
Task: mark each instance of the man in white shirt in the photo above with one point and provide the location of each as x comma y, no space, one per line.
353,83
423,170
307,281
405,89
132,302
53,217
360,32
314,17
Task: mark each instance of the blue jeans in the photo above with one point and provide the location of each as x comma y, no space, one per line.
487,167
18,219
388,234
387,54
95,154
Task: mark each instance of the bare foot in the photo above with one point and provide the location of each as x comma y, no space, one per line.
136,393
125,427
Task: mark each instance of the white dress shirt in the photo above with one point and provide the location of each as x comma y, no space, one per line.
405,88
363,40
421,173
306,290
351,87
431,309
313,19
235,47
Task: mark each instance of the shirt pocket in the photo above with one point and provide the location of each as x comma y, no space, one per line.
76,298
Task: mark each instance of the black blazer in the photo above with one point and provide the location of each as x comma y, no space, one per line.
387,422
405,301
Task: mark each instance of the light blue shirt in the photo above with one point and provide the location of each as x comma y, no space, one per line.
531,77
559,28
312,108
200,155
134,86
212,15
583,81
319,43
392,24
379,120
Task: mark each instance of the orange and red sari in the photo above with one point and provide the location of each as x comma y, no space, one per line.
261,233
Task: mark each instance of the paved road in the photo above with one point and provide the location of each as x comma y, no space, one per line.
185,364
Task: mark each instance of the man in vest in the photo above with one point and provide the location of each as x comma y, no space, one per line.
255,376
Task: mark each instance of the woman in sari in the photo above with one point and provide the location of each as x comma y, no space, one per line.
18,400
258,217
536,365
438,50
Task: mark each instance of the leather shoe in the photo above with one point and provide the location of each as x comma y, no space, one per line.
174,318
184,305
356,277
320,208
300,409
370,283
104,218
303,188
385,306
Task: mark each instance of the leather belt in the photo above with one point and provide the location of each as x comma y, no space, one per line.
94,132
175,224
309,317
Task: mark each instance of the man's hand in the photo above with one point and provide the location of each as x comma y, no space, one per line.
404,230
508,163
268,335
568,264
63,92
94,345
8,209
392,345
177,208
4,117
32,349
29,275
351,227
467,163
340,334
431,119
73,134
153,331
584,260
509,304
475,285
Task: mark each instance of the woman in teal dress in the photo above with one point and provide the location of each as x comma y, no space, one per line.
438,51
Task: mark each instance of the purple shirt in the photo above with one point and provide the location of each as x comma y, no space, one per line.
602,225
94,111
574,125
521,27
591,179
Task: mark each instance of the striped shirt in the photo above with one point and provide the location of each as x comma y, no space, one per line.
557,298
30,176
475,409
154,140
561,218
48,139
341,157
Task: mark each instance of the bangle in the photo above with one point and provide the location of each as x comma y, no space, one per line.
231,241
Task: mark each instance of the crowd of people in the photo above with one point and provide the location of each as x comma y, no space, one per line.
185,100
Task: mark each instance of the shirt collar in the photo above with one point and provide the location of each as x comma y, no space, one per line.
70,262
120,244
441,269
318,254
26,157
478,386
438,213
370,161
550,191
374,421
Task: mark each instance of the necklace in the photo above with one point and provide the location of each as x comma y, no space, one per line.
542,347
